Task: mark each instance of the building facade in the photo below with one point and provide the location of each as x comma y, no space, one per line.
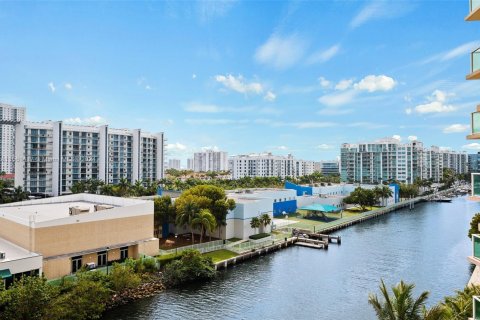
268,165
328,167
474,162
390,160
190,164
210,160
52,156
174,164
9,117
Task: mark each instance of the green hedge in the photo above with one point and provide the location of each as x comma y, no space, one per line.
259,236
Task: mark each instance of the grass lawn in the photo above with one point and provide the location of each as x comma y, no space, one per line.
220,255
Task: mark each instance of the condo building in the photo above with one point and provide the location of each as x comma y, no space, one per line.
269,165
190,164
391,160
327,167
174,164
9,117
52,156
210,160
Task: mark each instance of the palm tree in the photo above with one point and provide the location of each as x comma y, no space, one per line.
185,215
265,220
206,221
460,305
385,193
124,187
255,223
401,305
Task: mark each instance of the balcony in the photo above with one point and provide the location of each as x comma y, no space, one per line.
475,62
476,308
474,13
475,257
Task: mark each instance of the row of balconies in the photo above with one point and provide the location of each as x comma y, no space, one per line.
474,15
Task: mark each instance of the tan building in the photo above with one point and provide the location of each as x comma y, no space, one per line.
76,230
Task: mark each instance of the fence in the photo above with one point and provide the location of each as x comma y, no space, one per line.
202,247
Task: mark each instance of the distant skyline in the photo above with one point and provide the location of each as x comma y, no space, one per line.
247,77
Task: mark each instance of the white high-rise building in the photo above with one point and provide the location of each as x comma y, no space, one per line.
190,164
9,117
210,160
328,167
174,164
55,155
391,160
268,165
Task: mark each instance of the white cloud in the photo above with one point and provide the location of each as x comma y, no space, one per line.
68,86
215,121
455,128
176,146
324,146
334,111
407,98
374,83
239,84
472,146
202,108
323,55
270,96
344,84
412,138
397,137
51,86
95,120
324,83
337,99
380,10
436,104
459,51
282,148
194,76
313,124
281,52
445,148
207,10
214,148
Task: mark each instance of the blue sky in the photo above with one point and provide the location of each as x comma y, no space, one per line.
287,77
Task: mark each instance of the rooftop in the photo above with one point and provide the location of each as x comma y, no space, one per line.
14,252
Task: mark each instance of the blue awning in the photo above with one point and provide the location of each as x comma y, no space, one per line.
320,207
5,273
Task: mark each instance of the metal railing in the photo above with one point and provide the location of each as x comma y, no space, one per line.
474,5
202,247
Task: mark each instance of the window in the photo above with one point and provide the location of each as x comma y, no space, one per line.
123,253
102,258
76,263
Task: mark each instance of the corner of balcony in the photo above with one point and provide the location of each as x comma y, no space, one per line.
474,13
475,65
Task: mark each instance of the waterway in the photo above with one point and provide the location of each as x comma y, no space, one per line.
427,246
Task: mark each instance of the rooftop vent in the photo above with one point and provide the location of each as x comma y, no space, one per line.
2,255
73,211
100,207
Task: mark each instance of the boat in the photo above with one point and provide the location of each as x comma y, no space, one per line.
442,199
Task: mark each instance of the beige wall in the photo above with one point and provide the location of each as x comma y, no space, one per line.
15,233
65,239
149,248
57,268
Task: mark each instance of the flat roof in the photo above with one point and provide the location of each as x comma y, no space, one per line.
14,252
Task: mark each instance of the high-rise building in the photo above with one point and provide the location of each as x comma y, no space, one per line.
268,165
474,162
9,117
389,159
328,167
52,156
190,164
174,164
210,160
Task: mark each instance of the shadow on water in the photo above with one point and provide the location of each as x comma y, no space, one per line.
427,246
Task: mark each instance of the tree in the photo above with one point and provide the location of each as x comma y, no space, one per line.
383,192
459,306
206,221
123,188
124,277
255,223
187,207
401,305
28,298
265,220
164,212
362,197
192,266
474,225
408,191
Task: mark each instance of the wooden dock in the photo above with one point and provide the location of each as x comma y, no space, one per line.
312,243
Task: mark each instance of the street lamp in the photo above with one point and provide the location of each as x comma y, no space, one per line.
176,249
107,259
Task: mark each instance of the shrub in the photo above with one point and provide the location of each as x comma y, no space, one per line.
123,277
192,266
474,225
259,236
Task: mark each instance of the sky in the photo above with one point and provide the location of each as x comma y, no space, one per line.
299,77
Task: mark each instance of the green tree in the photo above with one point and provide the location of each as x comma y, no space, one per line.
192,266
187,207
362,197
28,298
459,306
474,225
164,212
265,220
401,305
255,223
206,221
123,277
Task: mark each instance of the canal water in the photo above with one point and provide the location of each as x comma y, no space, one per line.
427,246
